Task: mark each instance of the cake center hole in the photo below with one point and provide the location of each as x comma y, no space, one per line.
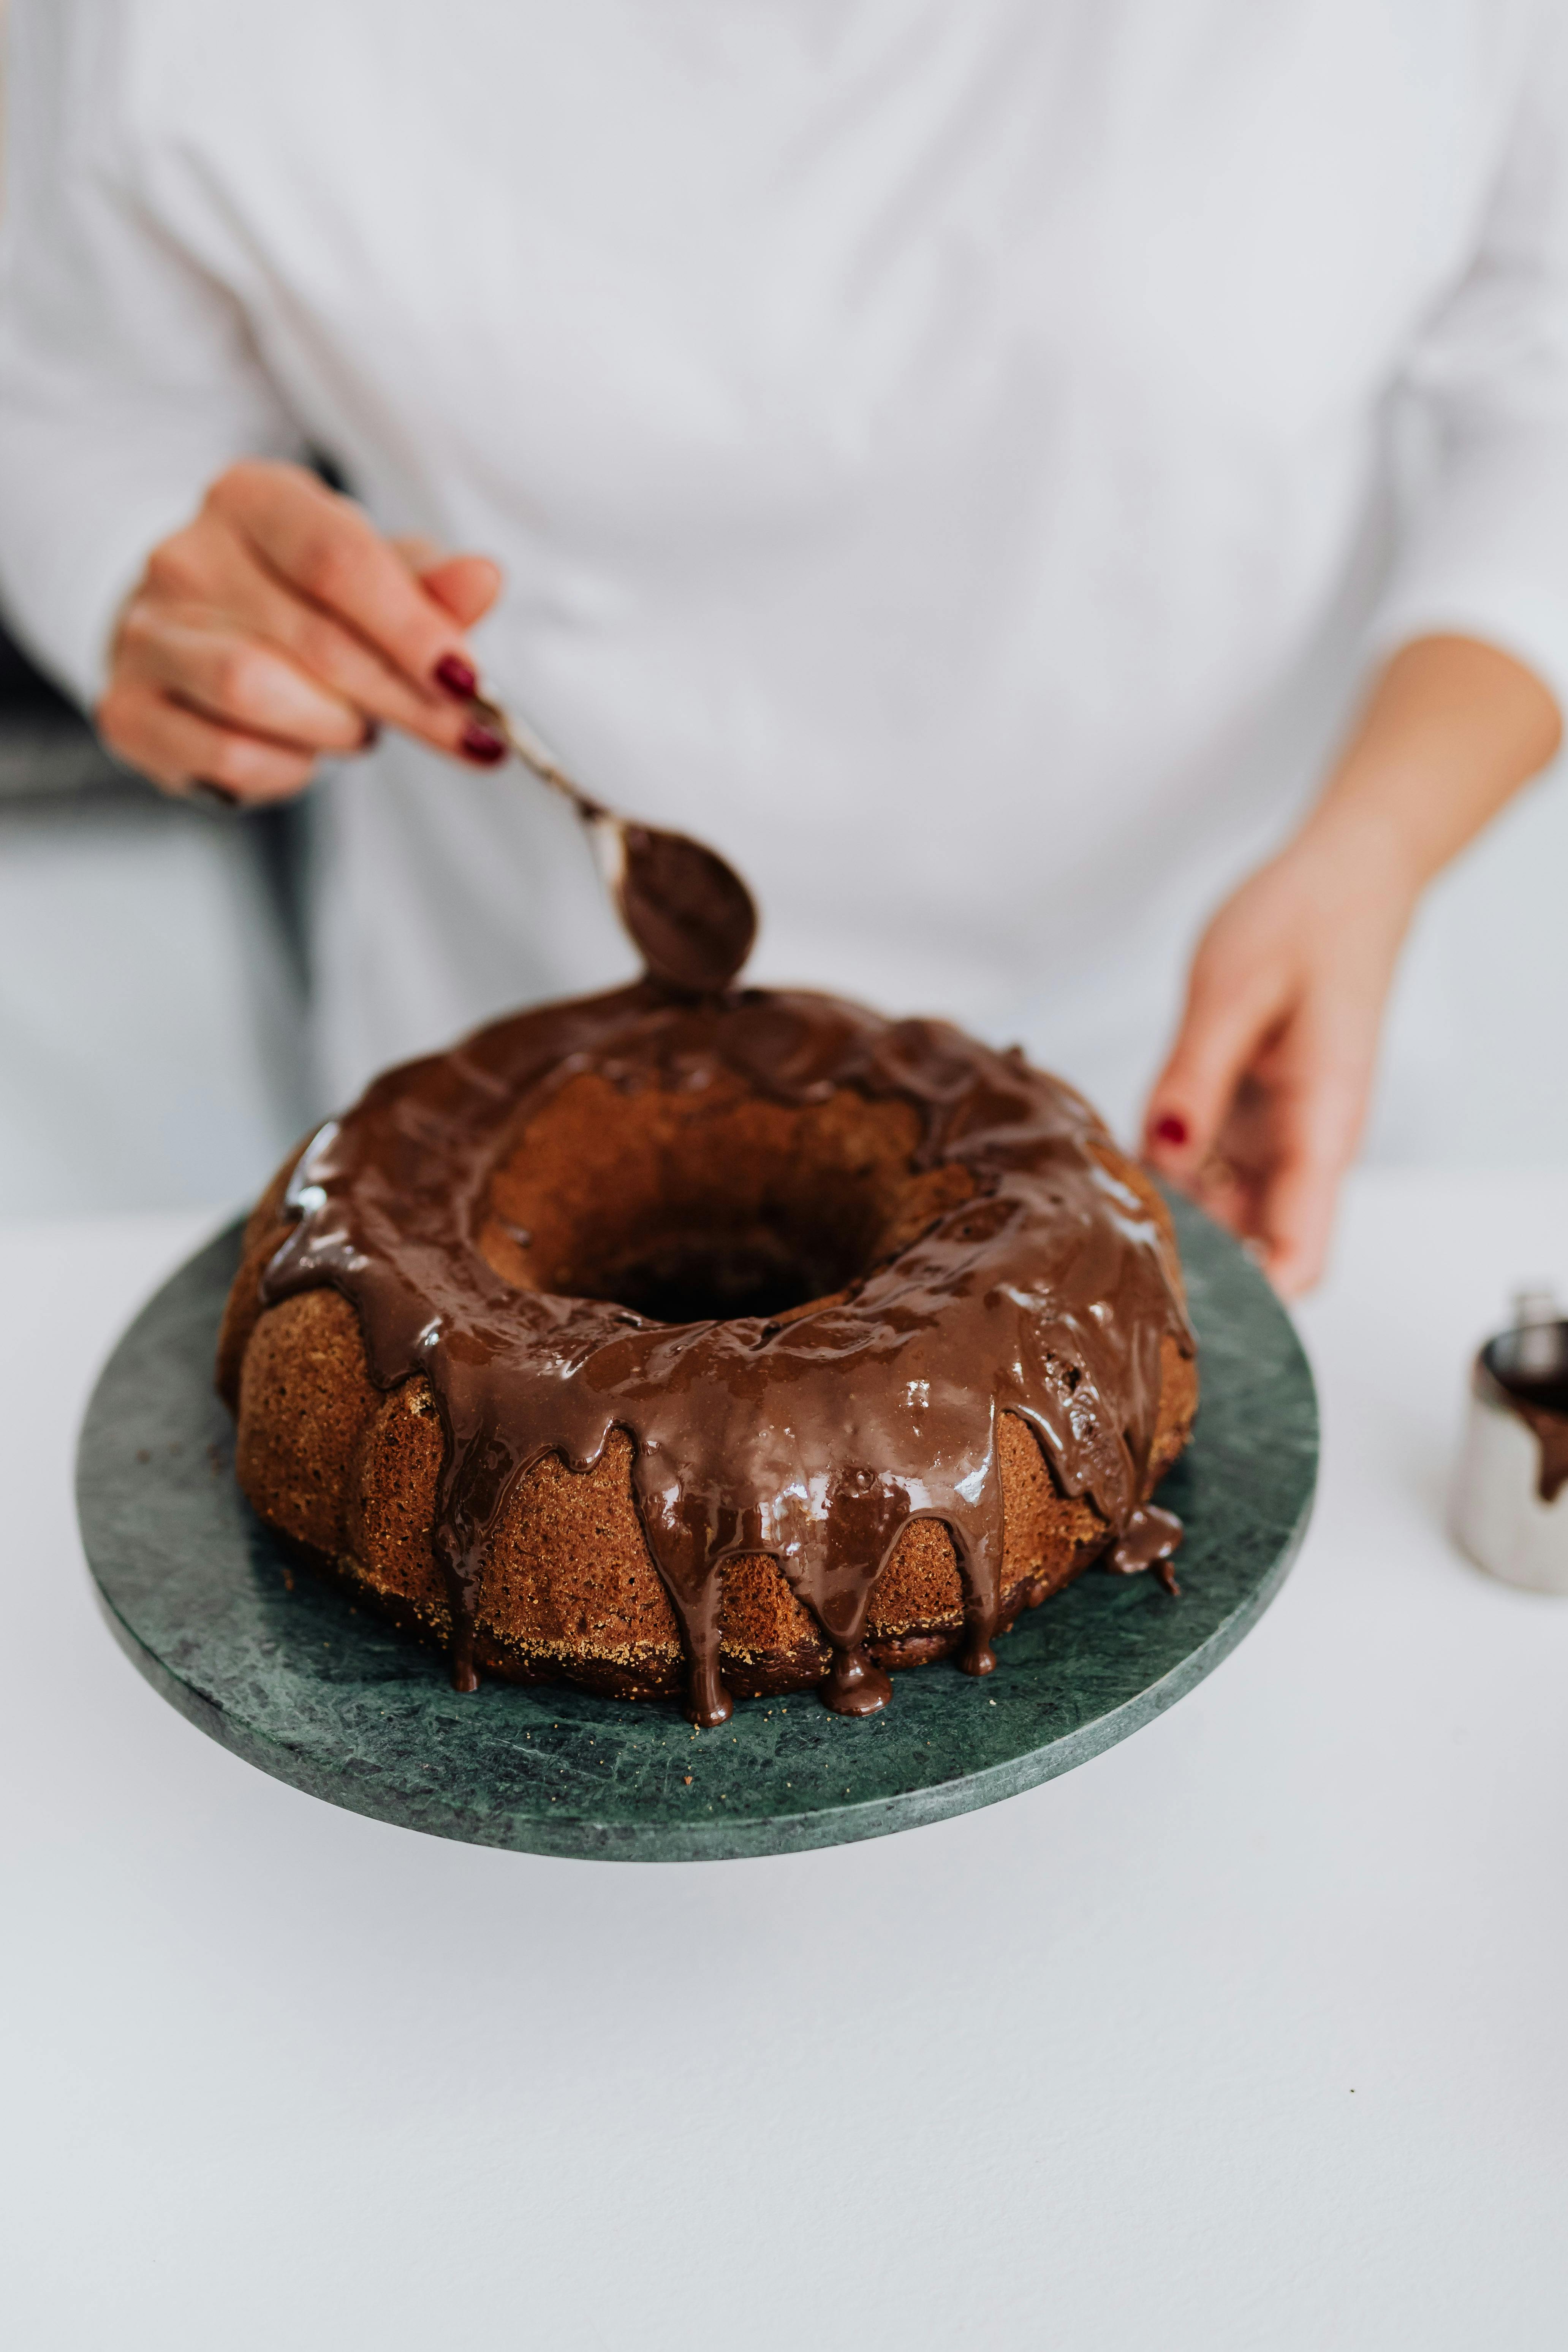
698,1205
697,1276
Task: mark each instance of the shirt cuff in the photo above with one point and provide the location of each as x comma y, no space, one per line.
1524,620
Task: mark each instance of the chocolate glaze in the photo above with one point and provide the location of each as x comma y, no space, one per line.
1539,1397
816,1438
1148,1541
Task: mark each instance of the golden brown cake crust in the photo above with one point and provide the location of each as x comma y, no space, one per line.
348,1470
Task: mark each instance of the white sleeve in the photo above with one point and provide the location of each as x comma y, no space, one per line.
128,379
1485,551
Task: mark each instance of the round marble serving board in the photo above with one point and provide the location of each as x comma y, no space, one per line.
289,1673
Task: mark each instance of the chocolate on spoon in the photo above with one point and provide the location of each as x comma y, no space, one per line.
690,914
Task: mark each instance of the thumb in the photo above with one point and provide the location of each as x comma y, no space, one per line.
1223,1023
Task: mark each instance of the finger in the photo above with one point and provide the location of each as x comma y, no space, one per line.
341,661
1224,1024
420,554
241,680
210,572
1227,1183
212,567
1230,1197
1294,1217
235,588
327,550
1298,1218
467,586
1318,1115
1273,1171
179,749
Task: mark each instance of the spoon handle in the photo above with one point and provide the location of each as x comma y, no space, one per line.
535,754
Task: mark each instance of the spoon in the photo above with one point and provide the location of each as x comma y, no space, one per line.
691,914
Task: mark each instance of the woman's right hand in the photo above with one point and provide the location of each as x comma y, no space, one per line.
279,626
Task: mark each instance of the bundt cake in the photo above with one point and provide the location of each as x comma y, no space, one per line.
718,1346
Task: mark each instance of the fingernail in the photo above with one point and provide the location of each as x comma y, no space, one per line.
218,795
483,744
1170,1128
459,676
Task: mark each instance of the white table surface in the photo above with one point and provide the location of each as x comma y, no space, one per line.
1249,2033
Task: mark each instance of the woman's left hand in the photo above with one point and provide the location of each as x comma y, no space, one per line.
1257,1111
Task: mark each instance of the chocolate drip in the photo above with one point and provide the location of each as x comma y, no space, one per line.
1538,1393
815,1436
1148,1541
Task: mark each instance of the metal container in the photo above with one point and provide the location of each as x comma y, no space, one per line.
1513,1449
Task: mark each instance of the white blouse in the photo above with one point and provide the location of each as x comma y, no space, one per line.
939,450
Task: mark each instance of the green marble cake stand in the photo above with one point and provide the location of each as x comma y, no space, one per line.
288,1674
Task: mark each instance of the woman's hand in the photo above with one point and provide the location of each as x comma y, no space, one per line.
1258,1112
278,626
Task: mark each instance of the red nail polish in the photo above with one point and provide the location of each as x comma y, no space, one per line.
460,679
479,743
1170,1128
